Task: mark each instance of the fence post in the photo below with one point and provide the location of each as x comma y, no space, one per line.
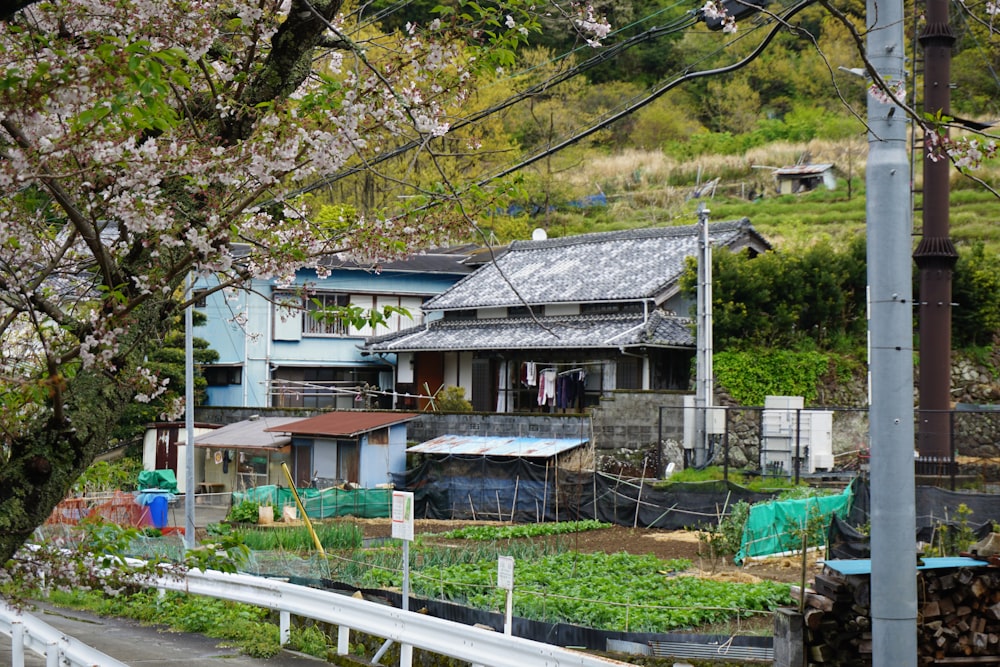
17,644
343,640
52,654
798,443
952,463
725,446
284,627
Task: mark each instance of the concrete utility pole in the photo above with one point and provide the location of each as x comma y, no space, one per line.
189,522
935,255
705,386
890,328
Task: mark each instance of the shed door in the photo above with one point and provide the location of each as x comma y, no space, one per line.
303,465
166,447
348,460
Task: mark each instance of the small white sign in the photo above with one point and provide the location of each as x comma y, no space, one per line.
402,515
505,572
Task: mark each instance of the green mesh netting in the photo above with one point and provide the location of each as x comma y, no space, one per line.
324,503
776,526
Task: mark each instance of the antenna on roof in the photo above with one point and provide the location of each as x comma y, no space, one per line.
538,234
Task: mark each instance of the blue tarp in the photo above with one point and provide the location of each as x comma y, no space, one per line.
864,565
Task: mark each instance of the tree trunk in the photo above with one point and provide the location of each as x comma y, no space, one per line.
47,458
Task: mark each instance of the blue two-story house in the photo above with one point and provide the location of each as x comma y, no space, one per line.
273,351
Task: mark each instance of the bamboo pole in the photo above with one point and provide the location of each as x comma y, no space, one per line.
513,504
305,517
545,488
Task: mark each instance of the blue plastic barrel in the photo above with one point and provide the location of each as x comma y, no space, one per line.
158,511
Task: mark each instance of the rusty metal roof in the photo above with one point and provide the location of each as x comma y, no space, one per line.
345,423
803,170
479,445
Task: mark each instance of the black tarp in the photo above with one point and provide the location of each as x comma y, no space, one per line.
935,507
520,490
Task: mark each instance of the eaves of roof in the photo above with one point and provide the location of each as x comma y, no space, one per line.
572,332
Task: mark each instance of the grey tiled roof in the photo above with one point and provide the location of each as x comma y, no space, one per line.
452,263
613,266
579,331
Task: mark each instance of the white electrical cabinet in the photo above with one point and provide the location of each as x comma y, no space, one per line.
790,433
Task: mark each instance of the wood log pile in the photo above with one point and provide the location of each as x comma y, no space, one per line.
958,618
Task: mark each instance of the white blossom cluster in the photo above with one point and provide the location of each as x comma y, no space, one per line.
964,152
119,175
714,9
591,24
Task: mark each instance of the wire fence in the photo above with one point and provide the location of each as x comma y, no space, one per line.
953,446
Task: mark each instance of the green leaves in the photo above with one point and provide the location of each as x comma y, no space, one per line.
149,76
621,591
499,532
751,376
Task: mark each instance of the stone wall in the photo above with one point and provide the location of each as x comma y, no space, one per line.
628,425
432,424
636,430
624,428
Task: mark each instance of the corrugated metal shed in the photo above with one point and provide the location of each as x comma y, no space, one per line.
478,445
247,434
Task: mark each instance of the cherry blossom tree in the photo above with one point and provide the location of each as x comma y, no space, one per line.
141,142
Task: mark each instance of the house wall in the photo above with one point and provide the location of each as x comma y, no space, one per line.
241,326
378,461
149,441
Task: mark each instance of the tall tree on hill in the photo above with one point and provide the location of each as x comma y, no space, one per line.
139,142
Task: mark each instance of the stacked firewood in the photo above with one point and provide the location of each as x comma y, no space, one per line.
958,617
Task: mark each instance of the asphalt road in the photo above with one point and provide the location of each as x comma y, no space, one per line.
146,646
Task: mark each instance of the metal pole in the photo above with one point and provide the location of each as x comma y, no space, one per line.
935,254
703,393
798,444
890,327
189,417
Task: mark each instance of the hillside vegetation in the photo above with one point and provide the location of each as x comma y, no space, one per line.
713,141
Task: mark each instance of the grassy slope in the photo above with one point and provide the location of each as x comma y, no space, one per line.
648,188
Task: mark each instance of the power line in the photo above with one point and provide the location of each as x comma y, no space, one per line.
598,59
658,92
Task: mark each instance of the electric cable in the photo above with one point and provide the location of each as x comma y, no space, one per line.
531,91
658,92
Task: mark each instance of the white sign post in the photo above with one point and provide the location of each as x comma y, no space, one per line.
402,529
505,580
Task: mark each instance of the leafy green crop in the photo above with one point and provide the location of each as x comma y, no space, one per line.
491,532
620,591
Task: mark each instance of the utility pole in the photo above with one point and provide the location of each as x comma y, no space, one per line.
189,522
935,255
890,328
705,386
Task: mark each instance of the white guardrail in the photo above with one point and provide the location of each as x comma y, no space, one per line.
409,629
27,632
476,645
